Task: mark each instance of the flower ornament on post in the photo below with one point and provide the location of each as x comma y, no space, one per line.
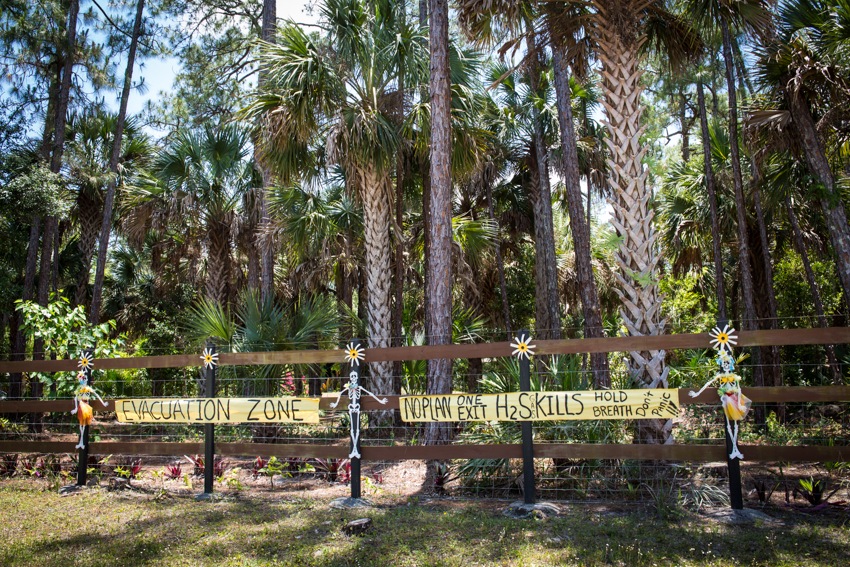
85,363
354,354
735,404
210,358
523,347
723,340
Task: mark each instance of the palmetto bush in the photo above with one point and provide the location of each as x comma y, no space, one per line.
557,373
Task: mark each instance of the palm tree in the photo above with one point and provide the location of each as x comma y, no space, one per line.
206,173
89,147
804,68
336,93
109,197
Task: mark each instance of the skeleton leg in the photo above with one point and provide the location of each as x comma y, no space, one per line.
355,434
82,432
735,454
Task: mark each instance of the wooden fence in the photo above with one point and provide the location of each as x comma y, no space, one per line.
674,452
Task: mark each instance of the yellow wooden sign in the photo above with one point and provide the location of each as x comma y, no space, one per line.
542,406
218,410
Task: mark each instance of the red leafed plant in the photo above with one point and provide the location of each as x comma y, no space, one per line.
174,470
259,464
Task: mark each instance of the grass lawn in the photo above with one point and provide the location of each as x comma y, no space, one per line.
129,528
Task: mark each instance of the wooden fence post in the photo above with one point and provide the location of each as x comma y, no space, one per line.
83,454
354,416
529,492
209,428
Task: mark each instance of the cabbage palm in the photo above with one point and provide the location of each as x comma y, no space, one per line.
87,153
205,174
337,93
804,68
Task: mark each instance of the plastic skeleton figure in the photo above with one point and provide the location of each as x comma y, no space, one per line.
735,404
354,355
82,409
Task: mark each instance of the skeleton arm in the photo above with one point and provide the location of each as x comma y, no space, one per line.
376,398
339,396
705,386
96,395
76,405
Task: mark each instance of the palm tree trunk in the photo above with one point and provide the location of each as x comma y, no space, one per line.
579,229
637,255
439,298
376,222
219,267
89,214
717,251
831,202
109,198
800,244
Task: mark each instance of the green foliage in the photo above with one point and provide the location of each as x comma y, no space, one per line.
66,332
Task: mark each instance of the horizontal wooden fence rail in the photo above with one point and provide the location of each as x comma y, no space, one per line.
779,337
691,453
758,395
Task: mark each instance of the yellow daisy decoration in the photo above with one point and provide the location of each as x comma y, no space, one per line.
523,347
86,362
723,339
354,354
210,358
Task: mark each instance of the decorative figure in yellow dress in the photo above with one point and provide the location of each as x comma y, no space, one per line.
735,404
82,409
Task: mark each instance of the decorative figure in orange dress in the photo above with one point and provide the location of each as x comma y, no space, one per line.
735,404
82,409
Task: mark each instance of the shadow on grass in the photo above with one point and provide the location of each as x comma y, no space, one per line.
114,530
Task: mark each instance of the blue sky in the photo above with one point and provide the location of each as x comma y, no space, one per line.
159,73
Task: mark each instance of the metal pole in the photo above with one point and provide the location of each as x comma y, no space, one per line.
83,454
209,428
529,491
736,496
354,398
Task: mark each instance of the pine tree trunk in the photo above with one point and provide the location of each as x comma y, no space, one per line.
439,298
747,288
637,255
544,230
830,201
579,229
500,263
800,244
770,353
717,251
266,241
109,198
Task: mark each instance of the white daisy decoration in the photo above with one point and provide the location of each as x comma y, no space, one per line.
725,339
210,358
354,354
523,347
86,361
